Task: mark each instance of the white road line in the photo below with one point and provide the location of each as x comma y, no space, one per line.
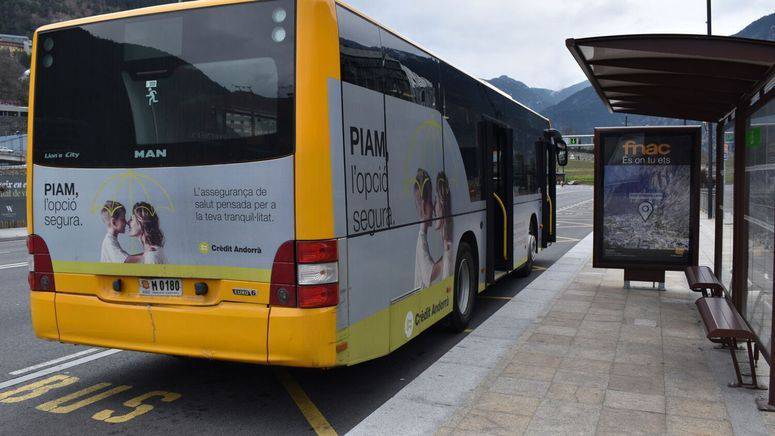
53,369
13,265
54,361
574,205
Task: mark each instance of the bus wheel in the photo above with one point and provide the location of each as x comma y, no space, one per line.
466,283
527,268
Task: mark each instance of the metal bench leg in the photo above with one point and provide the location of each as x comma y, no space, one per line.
752,361
732,347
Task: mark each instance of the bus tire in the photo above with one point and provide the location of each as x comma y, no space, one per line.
466,282
532,243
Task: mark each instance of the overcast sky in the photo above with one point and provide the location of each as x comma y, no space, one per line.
525,39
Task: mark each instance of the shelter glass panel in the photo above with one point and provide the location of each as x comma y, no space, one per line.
760,218
728,206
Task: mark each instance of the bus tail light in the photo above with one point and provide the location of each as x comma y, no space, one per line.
311,296
41,275
317,273
282,287
305,274
316,251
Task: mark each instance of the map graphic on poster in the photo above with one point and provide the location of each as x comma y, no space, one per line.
646,196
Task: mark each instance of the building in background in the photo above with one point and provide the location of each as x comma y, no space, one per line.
16,43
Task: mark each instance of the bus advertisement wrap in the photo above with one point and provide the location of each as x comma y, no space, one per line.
645,191
211,217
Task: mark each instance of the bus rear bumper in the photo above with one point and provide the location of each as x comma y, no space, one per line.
253,333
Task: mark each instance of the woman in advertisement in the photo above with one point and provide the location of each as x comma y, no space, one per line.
427,270
144,225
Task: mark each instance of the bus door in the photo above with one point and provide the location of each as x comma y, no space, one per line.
549,156
498,191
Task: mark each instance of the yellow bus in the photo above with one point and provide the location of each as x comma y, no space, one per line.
279,182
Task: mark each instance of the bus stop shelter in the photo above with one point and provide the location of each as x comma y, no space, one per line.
723,80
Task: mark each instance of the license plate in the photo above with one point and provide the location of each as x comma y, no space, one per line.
161,287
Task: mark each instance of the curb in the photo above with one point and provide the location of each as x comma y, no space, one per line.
431,399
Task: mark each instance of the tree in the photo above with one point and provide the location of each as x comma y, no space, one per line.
12,88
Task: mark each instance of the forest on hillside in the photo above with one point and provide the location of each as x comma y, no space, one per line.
22,17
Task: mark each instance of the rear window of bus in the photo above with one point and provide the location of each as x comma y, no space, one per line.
201,86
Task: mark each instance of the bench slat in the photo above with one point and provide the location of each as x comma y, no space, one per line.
721,319
701,278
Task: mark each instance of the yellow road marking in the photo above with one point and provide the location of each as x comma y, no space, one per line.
139,408
55,406
539,268
315,419
468,330
494,297
36,389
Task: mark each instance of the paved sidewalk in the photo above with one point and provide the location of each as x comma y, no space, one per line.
606,360
575,353
15,233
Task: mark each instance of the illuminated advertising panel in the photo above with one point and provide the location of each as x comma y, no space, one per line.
646,197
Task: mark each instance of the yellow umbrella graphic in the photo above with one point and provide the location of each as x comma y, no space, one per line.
134,187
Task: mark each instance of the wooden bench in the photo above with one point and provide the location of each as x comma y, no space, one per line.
724,324
701,279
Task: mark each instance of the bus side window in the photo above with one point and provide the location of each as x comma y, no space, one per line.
410,73
360,50
464,105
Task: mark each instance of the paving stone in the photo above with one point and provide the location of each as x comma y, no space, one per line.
564,417
565,315
586,365
581,378
653,385
630,422
520,386
601,341
495,423
530,372
536,359
634,401
696,408
579,394
682,425
635,370
551,349
690,384
556,330
603,353
550,339
610,316
561,322
514,404
642,354
571,306
641,334
645,322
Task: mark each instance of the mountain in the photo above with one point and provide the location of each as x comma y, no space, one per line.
763,28
535,98
580,113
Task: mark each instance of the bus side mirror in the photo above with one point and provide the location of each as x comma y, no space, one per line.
562,153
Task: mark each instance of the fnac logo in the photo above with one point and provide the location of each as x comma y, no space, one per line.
631,148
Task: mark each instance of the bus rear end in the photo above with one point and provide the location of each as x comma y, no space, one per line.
162,200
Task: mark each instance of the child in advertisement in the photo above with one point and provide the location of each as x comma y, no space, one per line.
114,216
